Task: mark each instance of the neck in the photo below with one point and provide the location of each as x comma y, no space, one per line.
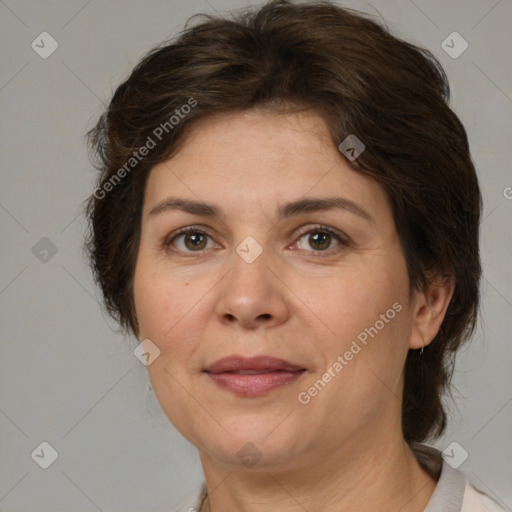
386,477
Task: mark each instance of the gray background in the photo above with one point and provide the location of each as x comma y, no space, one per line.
66,376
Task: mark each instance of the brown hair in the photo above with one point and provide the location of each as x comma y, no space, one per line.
393,95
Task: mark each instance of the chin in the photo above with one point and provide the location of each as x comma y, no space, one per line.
254,442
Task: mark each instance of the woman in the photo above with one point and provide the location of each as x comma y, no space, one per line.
287,220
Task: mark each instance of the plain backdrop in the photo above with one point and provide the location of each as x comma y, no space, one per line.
67,377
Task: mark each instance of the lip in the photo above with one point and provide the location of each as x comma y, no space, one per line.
258,363
254,376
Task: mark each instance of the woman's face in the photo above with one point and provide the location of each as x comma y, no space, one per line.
262,276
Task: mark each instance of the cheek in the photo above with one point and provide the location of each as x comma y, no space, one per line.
153,305
368,320
348,304
162,300
172,311
164,304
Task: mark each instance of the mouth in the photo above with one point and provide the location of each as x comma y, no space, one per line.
254,376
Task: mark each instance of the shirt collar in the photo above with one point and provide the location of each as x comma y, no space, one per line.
451,483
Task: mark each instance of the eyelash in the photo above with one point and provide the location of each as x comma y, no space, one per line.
320,228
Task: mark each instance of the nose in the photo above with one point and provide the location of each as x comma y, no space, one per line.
252,294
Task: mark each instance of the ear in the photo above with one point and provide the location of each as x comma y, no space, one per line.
429,309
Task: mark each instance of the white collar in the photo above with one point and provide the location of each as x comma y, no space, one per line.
448,495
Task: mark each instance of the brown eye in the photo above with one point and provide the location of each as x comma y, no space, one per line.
195,241
189,240
319,240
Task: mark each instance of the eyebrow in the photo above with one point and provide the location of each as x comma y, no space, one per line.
287,210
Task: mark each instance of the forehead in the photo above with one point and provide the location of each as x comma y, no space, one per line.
259,159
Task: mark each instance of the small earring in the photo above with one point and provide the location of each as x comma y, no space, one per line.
422,347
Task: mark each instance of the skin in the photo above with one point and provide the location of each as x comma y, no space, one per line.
344,450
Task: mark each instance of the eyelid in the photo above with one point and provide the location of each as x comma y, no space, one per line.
342,238
183,231
187,229
303,230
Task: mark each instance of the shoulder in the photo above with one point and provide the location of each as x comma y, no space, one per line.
476,501
193,502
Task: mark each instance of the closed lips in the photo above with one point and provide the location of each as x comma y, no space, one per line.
253,377
252,366
254,372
